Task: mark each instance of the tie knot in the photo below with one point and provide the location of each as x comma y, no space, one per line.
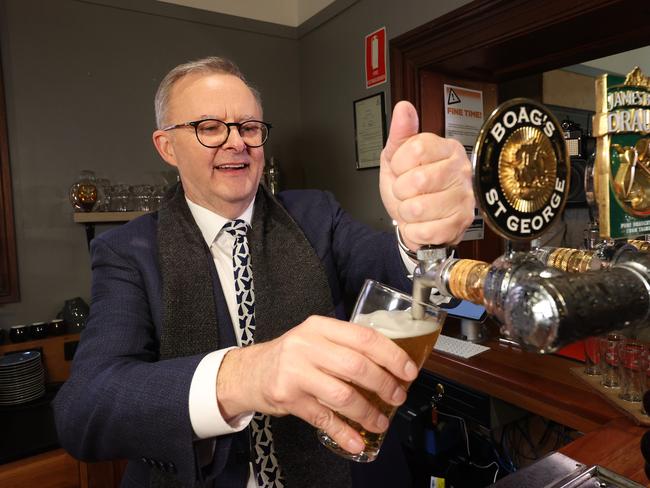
236,228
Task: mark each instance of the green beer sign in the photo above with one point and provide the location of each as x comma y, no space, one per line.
622,169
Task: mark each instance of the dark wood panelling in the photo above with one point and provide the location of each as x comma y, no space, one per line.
432,116
498,40
8,260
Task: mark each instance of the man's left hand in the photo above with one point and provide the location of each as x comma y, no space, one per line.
425,183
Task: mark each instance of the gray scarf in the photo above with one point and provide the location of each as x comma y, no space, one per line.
290,285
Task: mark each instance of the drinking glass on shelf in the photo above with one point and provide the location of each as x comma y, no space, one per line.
103,195
609,351
592,356
388,311
83,192
144,195
119,200
157,197
632,369
132,200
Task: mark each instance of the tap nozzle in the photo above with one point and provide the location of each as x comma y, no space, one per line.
432,262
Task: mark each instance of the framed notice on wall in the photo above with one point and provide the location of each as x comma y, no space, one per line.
369,129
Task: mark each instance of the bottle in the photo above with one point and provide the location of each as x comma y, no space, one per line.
272,176
83,192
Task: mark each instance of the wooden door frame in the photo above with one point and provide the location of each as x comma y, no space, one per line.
9,291
500,40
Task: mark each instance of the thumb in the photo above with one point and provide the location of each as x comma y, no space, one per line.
405,123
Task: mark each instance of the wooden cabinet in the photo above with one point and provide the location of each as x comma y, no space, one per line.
54,351
56,468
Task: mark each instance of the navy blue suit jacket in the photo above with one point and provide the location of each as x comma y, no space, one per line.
121,402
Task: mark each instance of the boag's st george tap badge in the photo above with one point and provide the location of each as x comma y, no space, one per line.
622,168
521,169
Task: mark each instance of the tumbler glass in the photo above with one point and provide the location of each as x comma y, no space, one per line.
389,312
592,355
632,369
119,200
609,347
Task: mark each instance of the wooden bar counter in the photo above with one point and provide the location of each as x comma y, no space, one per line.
544,385
541,384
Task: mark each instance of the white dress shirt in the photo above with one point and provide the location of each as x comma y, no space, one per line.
205,415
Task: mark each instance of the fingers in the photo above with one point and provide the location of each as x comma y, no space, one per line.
335,394
404,124
437,206
373,345
336,428
323,369
357,368
449,230
425,148
436,177
346,400
344,355
444,217
432,189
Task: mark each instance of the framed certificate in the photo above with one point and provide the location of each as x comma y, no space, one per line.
369,129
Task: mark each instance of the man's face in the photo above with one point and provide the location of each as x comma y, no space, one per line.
222,179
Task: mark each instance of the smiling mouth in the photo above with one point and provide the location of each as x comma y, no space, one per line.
232,166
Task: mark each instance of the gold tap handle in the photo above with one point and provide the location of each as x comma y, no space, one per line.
572,260
642,246
466,279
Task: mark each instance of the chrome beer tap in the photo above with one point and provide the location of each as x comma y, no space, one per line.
432,261
546,313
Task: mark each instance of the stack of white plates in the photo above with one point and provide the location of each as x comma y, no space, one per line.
22,378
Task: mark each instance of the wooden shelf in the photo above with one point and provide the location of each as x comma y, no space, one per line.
104,217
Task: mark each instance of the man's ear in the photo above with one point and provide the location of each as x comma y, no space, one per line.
162,142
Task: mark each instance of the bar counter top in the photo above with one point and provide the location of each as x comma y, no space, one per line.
544,385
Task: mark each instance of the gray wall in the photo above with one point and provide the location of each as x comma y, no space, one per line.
332,77
80,78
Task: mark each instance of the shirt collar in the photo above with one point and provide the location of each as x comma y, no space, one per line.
210,223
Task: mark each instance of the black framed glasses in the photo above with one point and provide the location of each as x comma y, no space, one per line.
213,133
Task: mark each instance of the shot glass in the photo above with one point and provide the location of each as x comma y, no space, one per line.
592,356
609,347
389,311
632,368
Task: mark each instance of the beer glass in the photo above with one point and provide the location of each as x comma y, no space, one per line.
632,365
592,356
609,359
389,312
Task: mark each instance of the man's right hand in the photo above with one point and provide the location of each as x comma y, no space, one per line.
307,372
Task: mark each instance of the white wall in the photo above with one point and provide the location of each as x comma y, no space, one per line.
285,12
623,63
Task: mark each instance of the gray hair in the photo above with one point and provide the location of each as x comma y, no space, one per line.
211,64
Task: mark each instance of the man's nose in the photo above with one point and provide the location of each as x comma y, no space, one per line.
234,141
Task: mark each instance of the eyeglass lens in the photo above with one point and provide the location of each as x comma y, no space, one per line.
214,133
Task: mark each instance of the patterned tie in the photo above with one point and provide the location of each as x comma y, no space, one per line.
267,469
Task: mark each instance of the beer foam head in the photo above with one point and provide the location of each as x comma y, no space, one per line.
398,324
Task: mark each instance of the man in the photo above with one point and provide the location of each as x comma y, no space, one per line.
167,375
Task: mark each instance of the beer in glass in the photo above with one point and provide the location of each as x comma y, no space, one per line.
389,312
